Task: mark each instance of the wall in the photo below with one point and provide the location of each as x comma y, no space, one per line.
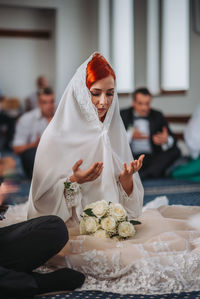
170,104
22,60
185,104
76,38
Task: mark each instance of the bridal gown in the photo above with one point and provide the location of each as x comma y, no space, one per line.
164,254
162,257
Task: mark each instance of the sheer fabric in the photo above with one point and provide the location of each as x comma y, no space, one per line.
163,257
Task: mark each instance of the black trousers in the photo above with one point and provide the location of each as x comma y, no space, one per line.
27,159
24,247
156,164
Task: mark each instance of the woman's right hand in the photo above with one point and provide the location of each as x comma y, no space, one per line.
81,176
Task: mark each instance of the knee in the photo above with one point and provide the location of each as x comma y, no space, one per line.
57,230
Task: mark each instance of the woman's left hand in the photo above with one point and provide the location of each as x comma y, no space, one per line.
127,173
133,167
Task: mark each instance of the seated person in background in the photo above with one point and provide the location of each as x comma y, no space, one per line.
148,133
31,101
34,242
8,124
191,170
30,127
191,134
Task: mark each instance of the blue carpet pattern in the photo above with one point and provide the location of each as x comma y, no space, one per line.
100,295
177,191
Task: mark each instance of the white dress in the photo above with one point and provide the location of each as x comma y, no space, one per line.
163,256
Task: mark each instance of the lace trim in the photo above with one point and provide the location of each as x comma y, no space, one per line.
71,193
170,273
124,196
83,97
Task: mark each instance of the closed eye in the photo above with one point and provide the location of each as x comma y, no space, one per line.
95,94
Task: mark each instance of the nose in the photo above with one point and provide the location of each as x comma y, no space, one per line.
103,99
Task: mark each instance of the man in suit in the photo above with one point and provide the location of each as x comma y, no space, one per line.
149,134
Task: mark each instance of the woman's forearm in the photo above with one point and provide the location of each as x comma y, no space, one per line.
127,185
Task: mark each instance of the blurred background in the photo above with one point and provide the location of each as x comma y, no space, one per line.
151,43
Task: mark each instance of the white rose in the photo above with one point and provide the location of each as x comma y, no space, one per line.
100,208
126,229
109,224
89,206
100,233
117,211
82,227
74,186
90,225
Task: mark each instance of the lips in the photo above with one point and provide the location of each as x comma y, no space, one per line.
101,110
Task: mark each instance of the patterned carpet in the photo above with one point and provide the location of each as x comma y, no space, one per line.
100,295
177,191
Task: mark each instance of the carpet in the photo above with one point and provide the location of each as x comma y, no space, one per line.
100,295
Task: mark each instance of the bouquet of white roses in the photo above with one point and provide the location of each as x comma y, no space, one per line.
107,220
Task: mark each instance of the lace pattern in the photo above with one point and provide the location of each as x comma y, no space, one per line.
123,194
83,98
181,273
72,193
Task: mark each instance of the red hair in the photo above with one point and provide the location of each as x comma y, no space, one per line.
98,68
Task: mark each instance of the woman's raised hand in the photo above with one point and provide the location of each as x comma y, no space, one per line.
81,176
127,172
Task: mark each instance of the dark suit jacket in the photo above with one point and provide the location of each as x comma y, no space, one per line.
156,121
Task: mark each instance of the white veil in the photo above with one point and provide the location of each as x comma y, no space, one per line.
74,133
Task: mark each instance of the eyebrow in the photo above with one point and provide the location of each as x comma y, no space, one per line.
98,89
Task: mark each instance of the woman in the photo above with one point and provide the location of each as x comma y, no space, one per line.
163,256
86,125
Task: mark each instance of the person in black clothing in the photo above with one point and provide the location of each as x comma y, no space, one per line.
26,246
149,134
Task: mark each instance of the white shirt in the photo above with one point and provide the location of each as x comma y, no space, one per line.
141,145
191,134
144,145
29,127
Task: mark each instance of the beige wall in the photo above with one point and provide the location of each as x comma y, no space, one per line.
75,28
171,104
76,37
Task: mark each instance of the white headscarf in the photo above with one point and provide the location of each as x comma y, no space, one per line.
74,133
